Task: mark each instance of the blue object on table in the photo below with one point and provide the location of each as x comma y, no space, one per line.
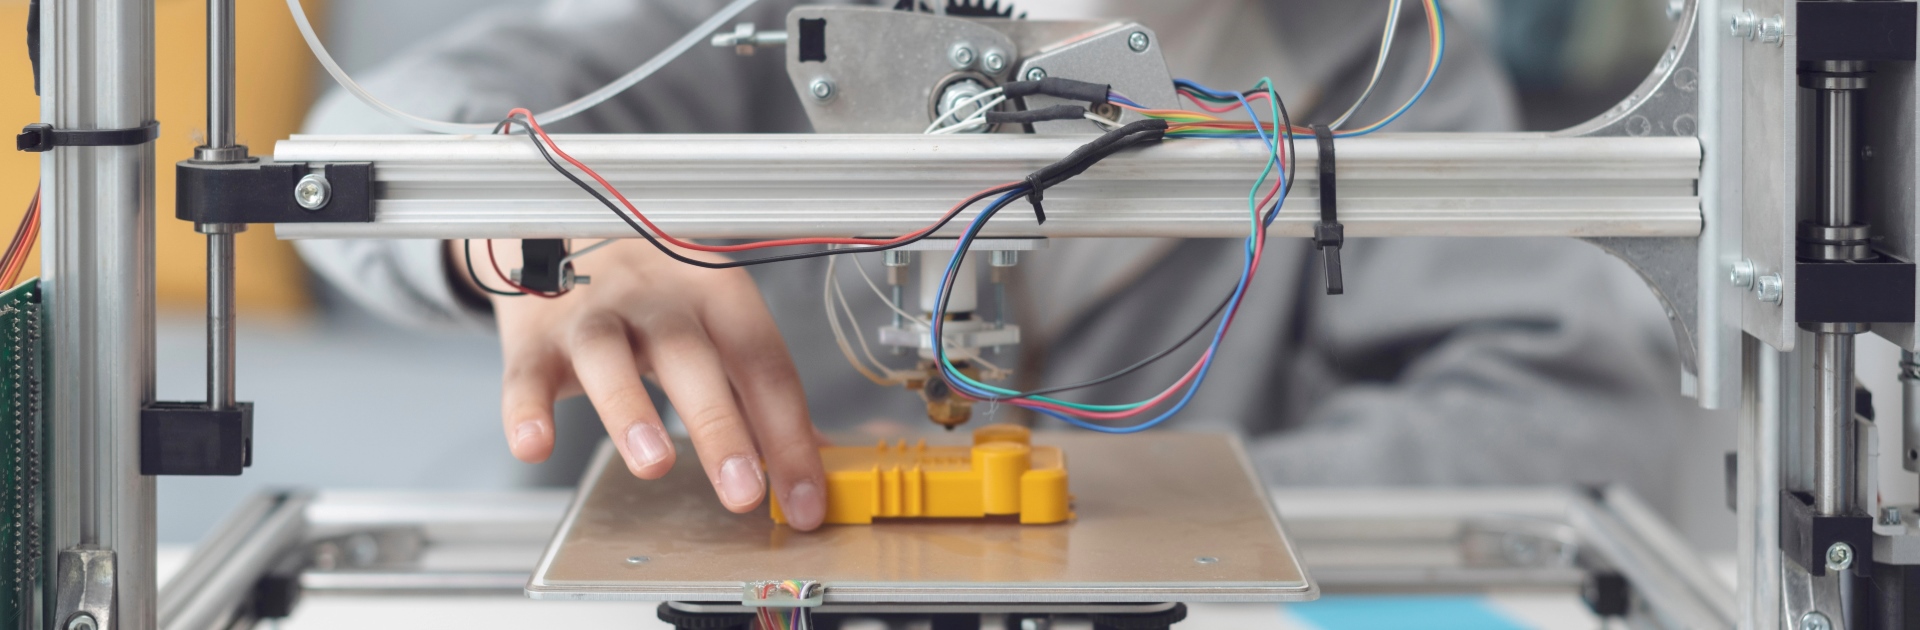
1400,612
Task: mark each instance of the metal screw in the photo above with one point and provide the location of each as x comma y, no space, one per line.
1772,30
1742,275
1036,73
313,192
1890,516
1036,623
994,61
1004,258
821,89
1839,556
1138,41
1207,560
636,559
898,258
1815,620
1768,286
1675,8
82,621
1742,25
961,55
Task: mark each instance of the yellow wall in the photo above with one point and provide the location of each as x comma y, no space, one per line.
276,86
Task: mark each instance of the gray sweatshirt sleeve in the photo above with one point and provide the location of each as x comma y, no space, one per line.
539,58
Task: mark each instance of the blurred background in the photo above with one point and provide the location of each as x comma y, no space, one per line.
347,401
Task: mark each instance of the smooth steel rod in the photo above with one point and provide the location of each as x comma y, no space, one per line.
1832,423
220,60
220,319
97,272
1838,110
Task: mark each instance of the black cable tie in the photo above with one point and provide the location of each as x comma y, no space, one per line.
1039,213
1328,234
40,137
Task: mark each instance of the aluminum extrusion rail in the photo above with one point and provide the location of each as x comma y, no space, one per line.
760,186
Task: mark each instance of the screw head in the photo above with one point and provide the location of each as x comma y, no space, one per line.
1815,620
994,61
1771,30
961,55
1138,41
82,621
897,258
1768,288
637,560
1890,516
821,89
1839,557
313,192
1036,73
1207,560
1742,274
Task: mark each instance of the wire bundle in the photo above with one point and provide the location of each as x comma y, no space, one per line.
798,618
1086,415
1186,123
15,260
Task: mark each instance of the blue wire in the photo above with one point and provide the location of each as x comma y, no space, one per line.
1233,303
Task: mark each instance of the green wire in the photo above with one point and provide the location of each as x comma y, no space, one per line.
1253,202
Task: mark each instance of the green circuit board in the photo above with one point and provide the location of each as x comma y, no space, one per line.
21,383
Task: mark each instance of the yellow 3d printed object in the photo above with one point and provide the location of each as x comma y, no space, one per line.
1001,474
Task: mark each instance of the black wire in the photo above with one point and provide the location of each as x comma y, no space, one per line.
617,211
1292,166
466,248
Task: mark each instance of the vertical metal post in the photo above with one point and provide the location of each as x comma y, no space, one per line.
222,146
1832,423
1759,479
97,274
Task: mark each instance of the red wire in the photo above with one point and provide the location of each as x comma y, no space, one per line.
1223,108
516,286
22,244
535,125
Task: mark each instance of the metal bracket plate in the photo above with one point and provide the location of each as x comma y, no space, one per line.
85,596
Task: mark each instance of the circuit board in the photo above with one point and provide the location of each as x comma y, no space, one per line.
20,456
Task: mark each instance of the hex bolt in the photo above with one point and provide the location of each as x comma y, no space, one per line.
1036,73
821,89
1742,275
82,621
994,61
1004,258
313,192
961,55
1890,515
1839,557
1768,286
1815,620
1138,41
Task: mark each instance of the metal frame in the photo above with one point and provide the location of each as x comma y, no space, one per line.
1634,196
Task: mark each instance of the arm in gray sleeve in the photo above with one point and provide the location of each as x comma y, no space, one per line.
1463,361
539,58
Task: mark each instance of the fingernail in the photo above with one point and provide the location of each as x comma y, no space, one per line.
647,444
740,481
525,433
805,505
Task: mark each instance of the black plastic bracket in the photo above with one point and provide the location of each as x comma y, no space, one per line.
1162,620
262,191
1868,291
684,620
540,264
188,438
42,137
1855,31
1805,536
1606,593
